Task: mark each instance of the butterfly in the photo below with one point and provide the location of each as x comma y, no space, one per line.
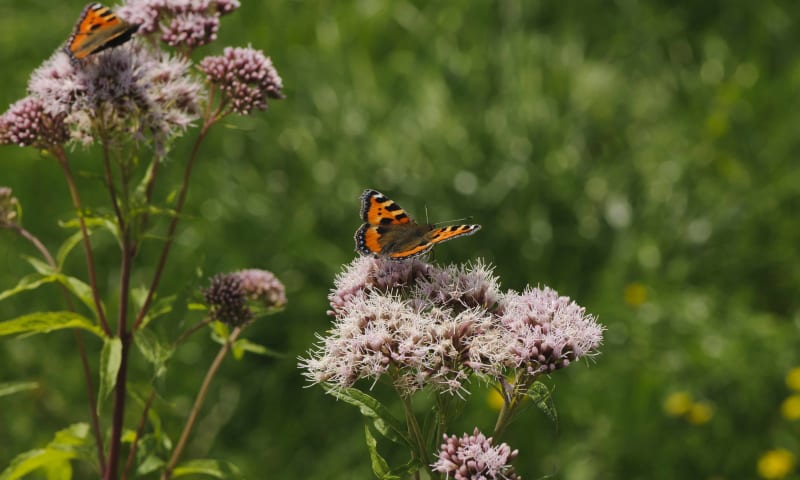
388,231
98,28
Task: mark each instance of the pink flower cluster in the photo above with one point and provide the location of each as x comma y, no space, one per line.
184,24
246,78
230,296
27,124
430,326
473,457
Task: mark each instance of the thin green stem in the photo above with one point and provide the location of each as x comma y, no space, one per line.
414,430
162,261
139,430
58,151
198,403
87,372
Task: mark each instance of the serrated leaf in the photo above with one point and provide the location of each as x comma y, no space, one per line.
26,283
66,247
150,464
246,345
9,388
211,468
379,465
383,420
71,443
76,286
153,350
46,322
541,397
110,360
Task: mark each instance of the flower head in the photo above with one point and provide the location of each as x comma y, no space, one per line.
9,207
27,123
246,78
263,287
546,331
184,24
227,300
435,327
473,457
129,91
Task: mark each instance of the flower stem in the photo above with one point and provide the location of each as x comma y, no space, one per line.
87,372
198,403
162,261
414,430
58,151
139,429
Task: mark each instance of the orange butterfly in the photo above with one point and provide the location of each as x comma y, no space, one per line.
98,28
389,232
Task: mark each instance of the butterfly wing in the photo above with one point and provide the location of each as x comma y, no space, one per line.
388,230
98,28
377,209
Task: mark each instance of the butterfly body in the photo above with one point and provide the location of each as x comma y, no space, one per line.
388,231
97,29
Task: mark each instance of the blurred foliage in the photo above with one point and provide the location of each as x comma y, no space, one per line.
639,157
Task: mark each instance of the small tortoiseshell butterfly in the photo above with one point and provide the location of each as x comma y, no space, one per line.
98,28
389,232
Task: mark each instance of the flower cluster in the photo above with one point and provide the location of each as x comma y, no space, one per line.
262,286
227,300
246,78
425,325
230,295
26,123
473,457
9,206
184,24
129,91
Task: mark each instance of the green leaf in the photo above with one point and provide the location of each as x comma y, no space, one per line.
28,282
78,287
58,471
46,322
71,443
153,350
40,266
211,468
15,387
110,360
379,465
383,420
244,345
541,397
149,465
67,246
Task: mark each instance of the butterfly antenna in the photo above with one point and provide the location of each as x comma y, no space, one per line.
426,214
465,219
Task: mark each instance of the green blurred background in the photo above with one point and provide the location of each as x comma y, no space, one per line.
639,157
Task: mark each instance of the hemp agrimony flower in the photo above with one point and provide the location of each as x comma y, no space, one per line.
227,300
184,24
27,123
473,457
262,287
246,78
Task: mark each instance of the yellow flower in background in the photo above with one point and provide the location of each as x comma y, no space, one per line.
776,463
700,413
635,294
494,399
678,404
793,379
790,408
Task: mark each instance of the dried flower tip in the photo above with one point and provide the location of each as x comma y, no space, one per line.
473,457
26,123
262,286
227,300
246,78
9,205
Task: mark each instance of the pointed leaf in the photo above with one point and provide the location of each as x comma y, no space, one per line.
149,465
28,282
13,387
46,322
383,420
379,465
247,346
67,246
541,397
153,350
110,360
211,468
58,471
78,287
73,442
